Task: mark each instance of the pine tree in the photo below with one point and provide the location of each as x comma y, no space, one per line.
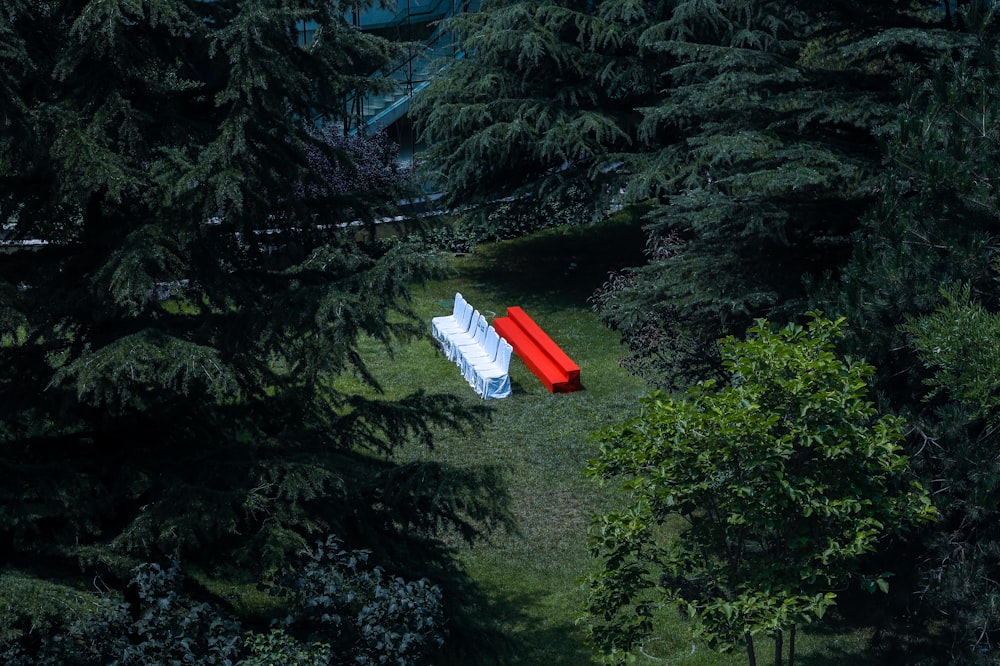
955,433
545,95
180,296
932,224
761,154
922,283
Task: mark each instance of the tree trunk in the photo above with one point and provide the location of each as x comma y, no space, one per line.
779,645
791,646
751,653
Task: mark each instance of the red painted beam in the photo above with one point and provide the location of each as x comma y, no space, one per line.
540,353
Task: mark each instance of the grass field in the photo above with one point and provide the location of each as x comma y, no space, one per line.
541,443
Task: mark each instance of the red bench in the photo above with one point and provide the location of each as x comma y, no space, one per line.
543,357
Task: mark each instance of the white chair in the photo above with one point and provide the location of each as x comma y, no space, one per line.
462,346
439,325
446,331
463,338
493,380
481,356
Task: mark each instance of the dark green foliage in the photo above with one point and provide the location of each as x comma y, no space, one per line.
957,435
447,236
546,91
34,610
932,228
181,338
160,625
657,350
340,599
521,217
512,218
762,155
277,647
934,221
359,613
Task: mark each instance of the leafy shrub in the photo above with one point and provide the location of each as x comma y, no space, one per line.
505,220
521,217
457,238
367,615
159,626
343,163
660,348
350,612
277,647
172,628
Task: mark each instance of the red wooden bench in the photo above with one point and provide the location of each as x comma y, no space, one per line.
543,357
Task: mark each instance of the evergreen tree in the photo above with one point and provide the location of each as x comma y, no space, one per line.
956,431
932,224
925,257
180,298
761,154
545,96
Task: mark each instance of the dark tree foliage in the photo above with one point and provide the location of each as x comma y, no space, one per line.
933,222
761,154
925,257
956,439
176,314
160,625
342,600
546,92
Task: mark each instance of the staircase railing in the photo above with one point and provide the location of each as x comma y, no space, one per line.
366,113
406,11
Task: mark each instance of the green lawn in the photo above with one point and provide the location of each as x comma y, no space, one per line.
541,442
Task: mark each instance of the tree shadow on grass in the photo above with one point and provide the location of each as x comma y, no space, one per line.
508,635
836,656
558,267
872,653
877,640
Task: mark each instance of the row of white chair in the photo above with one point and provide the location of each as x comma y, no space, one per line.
474,346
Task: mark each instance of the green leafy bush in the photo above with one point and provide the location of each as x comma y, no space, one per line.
783,476
364,612
514,218
277,647
342,610
154,624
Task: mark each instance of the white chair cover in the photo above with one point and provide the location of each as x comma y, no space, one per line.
493,380
446,331
460,349
481,356
463,338
439,324
467,339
